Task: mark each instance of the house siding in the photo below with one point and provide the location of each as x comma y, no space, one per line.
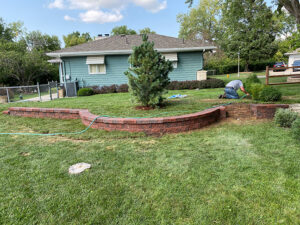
188,65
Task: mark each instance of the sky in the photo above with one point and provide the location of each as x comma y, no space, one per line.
61,17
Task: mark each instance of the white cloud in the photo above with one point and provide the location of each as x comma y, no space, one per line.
98,16
59,4
153,6
69,18
97,10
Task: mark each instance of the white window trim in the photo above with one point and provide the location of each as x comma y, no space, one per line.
99,72
96,60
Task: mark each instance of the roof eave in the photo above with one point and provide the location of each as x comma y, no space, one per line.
292,53
126,52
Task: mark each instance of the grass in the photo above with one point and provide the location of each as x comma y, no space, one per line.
121,105
231,173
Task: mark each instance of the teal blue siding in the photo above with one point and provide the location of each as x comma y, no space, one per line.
188,65
116,65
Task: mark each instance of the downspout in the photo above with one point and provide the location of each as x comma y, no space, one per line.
61,70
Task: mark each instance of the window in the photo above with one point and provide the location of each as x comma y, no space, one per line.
172,57
96,64
97,69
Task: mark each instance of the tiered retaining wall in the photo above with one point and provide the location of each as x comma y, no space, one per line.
174,124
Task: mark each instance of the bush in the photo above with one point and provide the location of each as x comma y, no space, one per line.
225,65
296,129
122,88
105,89
3,92
255,90
270,94
285,117
252,79
194,84
85,92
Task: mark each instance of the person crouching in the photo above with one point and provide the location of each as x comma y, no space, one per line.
231,90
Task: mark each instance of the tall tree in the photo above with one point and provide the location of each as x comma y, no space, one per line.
122,30
35,40
5,31
201,22
147,30
293,7
76,38
248,28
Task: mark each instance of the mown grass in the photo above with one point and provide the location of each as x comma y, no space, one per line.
231,173
121,104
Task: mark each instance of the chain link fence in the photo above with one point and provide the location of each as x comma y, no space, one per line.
38,93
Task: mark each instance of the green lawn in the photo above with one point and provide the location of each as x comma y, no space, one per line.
233,172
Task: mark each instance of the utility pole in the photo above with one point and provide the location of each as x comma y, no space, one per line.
239,64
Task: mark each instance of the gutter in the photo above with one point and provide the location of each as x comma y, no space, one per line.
128,52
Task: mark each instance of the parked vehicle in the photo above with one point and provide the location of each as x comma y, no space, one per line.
279,65
296,63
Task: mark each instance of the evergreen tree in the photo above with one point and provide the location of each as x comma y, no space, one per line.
150,71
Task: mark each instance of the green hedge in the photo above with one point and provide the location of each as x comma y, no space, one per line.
85,92
226,66
194,84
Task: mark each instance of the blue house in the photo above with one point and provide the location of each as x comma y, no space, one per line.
104,60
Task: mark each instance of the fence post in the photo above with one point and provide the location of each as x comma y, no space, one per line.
267,75
57,90
39,91
7,93
50,91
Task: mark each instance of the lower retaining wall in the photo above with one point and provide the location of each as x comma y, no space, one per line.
174,124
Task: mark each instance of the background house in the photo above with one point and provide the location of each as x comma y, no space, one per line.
104,61
293,56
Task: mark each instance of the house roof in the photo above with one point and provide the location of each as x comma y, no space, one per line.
123,44
296,52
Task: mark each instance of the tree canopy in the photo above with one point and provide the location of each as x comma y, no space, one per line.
76,38
248,28
201,22
147,30
122,30
22,55
38,41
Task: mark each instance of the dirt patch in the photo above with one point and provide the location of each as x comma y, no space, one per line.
25,154
54,139
144,108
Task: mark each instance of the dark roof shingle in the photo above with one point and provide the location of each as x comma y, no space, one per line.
127,42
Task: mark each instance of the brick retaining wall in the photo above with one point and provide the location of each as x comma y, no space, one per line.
174,124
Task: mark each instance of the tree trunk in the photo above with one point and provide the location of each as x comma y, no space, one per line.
246,67
293,7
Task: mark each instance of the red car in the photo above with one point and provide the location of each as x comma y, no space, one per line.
279,65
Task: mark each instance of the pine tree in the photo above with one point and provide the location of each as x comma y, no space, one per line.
150,71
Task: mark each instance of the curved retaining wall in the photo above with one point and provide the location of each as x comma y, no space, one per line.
174,124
